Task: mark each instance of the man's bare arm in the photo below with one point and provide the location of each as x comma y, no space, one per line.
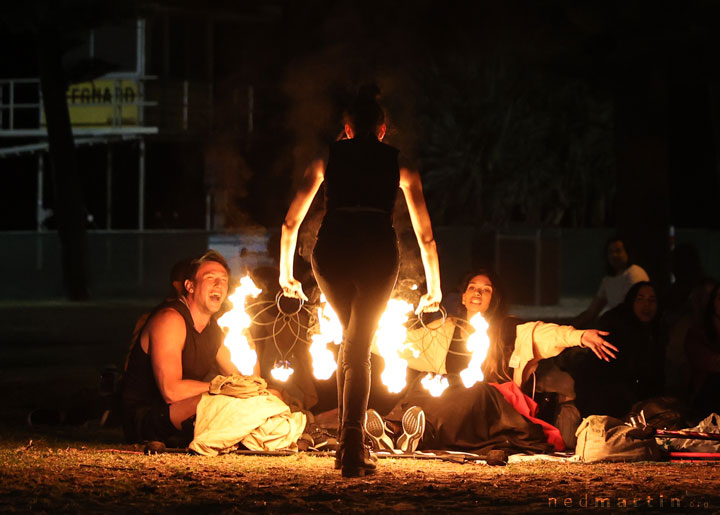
167,338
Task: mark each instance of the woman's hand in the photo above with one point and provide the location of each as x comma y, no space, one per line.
593,340
429,302
291,287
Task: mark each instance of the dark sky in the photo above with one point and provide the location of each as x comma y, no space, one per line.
303,59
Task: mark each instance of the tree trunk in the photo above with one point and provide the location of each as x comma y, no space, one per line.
69,205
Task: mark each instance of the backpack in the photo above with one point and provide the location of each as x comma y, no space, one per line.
603,438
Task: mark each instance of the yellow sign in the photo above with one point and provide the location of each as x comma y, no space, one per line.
103,103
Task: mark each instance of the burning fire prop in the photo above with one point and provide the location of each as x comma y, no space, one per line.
236,322
390,342
478,345
329,330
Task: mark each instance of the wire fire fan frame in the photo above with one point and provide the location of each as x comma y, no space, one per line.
284,319
433,335
292,320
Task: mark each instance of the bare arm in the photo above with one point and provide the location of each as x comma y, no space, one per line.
312,180
412,189
167,338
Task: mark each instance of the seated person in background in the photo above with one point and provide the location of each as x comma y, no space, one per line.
702,345
482,418
621,275
611,388
179,348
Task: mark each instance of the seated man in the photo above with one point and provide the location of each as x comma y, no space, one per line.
180,349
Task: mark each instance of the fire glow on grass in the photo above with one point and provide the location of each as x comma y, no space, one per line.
478,345
236,322
330,330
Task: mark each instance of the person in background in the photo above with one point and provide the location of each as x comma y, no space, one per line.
621,274
638,332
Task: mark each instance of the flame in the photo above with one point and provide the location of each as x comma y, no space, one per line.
478,344
330,330
235,324
390,342
282,371
435,384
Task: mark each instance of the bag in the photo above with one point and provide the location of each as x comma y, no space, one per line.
603,438
710,424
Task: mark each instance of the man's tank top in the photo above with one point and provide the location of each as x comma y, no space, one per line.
361,174
199,358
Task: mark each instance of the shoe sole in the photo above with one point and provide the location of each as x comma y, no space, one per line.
375,429
413,424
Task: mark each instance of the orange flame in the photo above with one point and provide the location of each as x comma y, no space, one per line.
390,342
435,384
330,330
235,324
478,345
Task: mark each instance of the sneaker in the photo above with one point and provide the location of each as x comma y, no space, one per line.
375,430
413,424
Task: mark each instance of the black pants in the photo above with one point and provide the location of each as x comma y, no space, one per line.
355,262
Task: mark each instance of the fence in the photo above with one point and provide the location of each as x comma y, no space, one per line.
536,266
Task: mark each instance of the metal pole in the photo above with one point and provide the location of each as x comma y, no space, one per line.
39,211
12,106
108,189
141,184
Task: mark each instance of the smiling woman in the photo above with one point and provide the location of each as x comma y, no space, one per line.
495,413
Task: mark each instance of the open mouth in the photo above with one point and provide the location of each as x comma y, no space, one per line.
215,297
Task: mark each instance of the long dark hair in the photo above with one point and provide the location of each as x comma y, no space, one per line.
495,366
497,306
365,115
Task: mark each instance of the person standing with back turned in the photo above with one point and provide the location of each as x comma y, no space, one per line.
355,259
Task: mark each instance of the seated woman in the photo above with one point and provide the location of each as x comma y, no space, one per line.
638,372
702,345
482,418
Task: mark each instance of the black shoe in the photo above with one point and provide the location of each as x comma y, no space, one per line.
355,459
413,423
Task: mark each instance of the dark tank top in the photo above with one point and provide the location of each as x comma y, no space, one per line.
361,174
199,358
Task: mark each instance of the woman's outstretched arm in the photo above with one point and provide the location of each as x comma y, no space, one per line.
412,189
311,182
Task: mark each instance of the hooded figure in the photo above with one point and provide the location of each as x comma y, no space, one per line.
611,388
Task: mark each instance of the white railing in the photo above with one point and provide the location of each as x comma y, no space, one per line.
25,119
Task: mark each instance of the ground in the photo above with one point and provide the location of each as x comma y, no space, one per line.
87,468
